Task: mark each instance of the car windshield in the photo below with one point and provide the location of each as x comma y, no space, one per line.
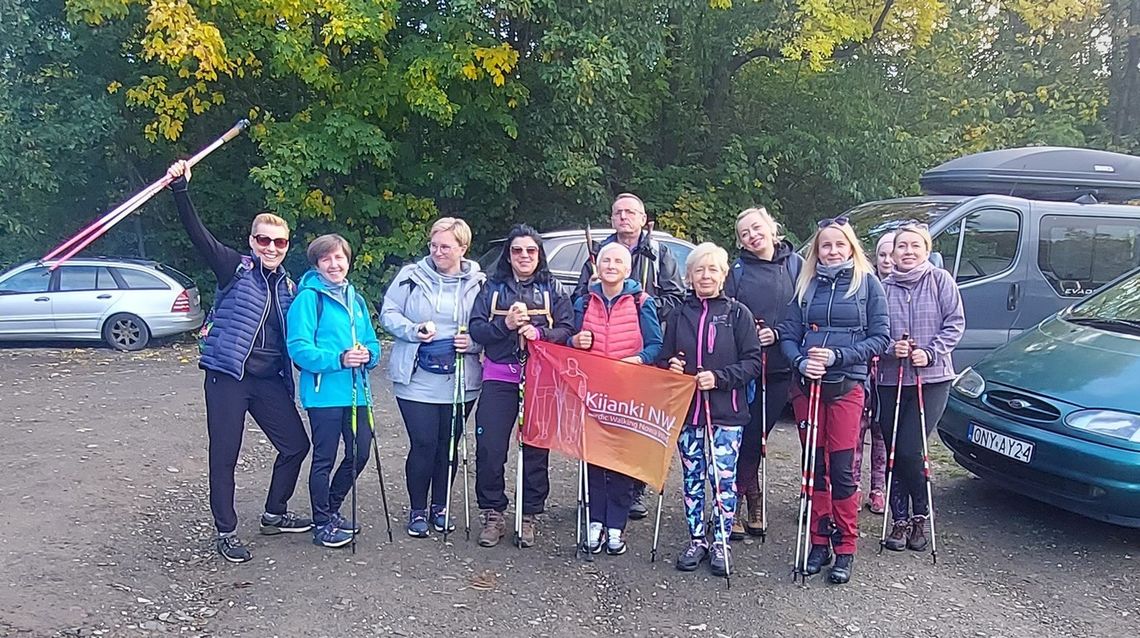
1119,303
873,219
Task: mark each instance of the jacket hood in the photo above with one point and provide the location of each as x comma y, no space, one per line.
425,268
784,251
313,280
630,287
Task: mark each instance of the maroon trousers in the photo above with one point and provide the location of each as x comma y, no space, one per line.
835,501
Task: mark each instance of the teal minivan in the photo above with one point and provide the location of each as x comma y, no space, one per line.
1055,414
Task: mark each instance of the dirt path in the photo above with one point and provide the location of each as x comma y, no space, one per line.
109,534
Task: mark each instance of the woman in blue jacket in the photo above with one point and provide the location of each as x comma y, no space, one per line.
332,341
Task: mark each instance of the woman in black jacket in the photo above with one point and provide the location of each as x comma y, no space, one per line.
713,337
836,323
762,278
520,302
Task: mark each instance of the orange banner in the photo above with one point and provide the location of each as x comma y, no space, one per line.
621,416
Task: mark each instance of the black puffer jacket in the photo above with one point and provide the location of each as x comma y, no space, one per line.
766,287
500,344
719,335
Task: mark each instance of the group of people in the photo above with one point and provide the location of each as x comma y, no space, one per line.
845,340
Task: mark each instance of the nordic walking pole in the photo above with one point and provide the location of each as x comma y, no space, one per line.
721,520
815,399
353,417
519,465
891,454
456,411
657,524
763,441
926,468
376,453
93,231
579,546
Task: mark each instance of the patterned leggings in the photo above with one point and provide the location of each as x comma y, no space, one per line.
726,451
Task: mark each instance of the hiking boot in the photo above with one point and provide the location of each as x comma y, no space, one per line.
231,549
638,510
691,557
439,519
754,524
287,523
343,523
737,531
418,524
329,535
594,538
819,556
526,536
896,540
494,528
615,543
720,559
841,571
916,539
876,502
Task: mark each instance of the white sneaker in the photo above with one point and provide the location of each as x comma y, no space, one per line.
615,544
594,538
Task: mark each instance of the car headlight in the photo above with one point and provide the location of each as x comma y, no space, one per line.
1120,425
970,383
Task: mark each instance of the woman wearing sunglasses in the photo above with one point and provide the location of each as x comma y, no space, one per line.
836,323
427,309
924,304
247,367
521,302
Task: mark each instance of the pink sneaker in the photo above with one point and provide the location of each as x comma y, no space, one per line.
876,503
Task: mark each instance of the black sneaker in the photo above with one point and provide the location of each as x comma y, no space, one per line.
287,523
637,510
819,556
692,556
721,555
231,549
841,571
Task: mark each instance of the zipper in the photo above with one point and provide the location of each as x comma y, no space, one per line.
700,359
830,301
264,316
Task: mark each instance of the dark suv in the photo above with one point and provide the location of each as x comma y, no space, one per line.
566,251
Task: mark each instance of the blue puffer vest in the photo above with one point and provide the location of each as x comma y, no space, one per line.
238,314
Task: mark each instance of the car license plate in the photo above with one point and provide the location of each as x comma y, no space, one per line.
1000,443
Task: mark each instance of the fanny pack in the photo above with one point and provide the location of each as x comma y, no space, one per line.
437,356
829,390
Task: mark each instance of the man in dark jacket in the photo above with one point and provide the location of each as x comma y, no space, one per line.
247,367
654,267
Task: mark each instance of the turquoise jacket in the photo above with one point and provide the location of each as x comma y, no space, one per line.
319,328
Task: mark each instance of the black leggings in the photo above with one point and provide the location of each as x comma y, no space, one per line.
429,428
494,421
908,483
749,464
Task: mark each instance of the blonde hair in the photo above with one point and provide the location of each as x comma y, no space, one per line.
325,245
921,231
707,251
861,267
456,226
773,227
269,219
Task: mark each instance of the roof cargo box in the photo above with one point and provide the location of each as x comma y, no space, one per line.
1039,172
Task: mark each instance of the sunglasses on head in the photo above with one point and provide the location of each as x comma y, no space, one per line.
831,221
519,250
280,243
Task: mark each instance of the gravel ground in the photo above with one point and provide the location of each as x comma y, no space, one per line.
109,534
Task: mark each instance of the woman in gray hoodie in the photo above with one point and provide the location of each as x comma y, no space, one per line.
924,307
426,308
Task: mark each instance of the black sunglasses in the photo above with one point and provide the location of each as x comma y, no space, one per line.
831,221
280,243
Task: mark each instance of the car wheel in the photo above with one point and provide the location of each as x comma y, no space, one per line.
126,332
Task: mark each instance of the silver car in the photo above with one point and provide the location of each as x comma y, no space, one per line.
124,302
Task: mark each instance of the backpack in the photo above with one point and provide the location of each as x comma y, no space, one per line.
794,265
860,302
244,266
544,311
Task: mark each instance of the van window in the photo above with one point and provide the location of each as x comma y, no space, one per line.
1077,255
139,280
79,278
988,246
568,257
30,281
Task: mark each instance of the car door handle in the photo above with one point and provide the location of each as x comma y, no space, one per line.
1014,294
104,296
42,299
